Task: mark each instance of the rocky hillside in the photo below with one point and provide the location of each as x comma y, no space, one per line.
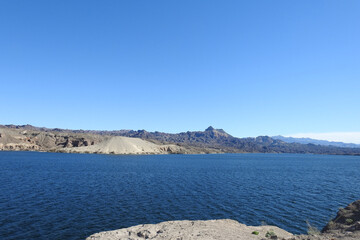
27,137
346,220
24,139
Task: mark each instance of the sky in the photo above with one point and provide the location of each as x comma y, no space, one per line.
249,67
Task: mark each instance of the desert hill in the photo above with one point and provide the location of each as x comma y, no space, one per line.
125,145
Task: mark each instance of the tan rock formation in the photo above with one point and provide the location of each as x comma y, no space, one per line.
345,226
224,229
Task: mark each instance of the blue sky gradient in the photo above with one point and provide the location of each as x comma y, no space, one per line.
249,67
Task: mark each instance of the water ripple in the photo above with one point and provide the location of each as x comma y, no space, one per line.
70,196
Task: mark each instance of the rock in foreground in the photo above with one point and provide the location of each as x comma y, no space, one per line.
346,220
345,226
188,230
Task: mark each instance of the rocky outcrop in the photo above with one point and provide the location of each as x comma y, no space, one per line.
34,140
15,141
19,147
346,220
189,230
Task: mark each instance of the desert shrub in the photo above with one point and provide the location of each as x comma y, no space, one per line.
349,221
270,234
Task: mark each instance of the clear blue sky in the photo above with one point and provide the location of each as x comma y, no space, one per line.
249,67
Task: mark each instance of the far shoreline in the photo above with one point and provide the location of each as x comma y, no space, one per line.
163,154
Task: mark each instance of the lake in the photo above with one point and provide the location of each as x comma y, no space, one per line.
71,196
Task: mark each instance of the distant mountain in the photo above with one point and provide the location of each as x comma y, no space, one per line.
27,137
315,141
219,140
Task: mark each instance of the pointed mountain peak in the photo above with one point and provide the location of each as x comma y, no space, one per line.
210,129
216,132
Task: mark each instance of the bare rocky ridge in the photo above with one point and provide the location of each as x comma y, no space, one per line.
345,226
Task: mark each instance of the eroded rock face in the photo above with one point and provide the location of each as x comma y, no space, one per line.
19,147
14,139
190,230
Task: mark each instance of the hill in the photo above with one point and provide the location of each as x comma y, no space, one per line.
125,145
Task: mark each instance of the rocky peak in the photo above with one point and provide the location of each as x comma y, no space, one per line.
209,129
215,133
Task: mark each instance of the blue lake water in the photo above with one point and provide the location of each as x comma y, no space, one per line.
71,196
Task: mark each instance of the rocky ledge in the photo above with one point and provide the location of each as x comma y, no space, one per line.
345,226
189,230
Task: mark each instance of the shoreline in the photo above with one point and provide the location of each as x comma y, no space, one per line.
345,226
149,154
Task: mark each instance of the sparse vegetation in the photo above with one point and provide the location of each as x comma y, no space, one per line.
255,233
270,234
349,221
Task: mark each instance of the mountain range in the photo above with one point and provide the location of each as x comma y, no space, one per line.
211,140
315,141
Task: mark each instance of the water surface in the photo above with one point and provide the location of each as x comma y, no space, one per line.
71,196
